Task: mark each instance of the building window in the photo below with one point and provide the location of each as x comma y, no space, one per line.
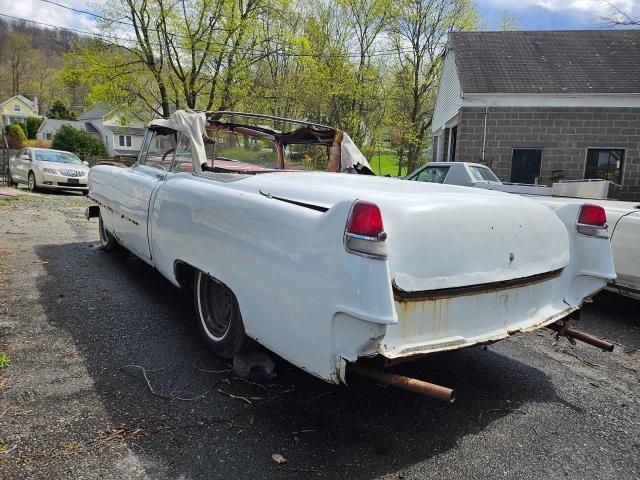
125,140
525,165
47,136
16,107
604,163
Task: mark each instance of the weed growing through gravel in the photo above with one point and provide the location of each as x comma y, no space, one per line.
5,361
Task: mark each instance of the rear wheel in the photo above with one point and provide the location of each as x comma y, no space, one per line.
33,186
218,316
107,241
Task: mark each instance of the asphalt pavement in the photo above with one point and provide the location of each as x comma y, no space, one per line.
108,379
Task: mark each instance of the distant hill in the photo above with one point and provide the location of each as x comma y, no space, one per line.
30,63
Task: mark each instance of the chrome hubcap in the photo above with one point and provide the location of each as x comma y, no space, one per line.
217,307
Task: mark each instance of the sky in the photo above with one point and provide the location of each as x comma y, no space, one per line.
529,14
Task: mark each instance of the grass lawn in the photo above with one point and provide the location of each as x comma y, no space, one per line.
385,164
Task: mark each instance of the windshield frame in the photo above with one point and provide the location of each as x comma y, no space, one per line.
247,167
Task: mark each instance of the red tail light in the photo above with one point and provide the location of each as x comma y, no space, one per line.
593,215
365,220
364,234
592,221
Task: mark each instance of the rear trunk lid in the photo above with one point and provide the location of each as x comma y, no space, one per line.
441,236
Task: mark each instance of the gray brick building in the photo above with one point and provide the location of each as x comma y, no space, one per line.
538,107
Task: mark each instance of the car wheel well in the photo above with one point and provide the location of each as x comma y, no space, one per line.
184,274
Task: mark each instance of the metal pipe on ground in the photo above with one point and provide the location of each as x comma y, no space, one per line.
571,332
412,384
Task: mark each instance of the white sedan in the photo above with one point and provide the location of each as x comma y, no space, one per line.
42,168
330,269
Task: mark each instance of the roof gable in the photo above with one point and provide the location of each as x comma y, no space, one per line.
28,103
548,62
54,123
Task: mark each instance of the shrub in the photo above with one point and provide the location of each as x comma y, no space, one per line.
37,143
59,111
77,141
31,126
15,136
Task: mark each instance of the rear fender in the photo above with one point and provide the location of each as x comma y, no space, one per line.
591,265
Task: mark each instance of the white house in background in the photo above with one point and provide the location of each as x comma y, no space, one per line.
17,109
121,133
49,127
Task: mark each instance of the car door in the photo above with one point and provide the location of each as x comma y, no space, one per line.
135,189
22,165
14,166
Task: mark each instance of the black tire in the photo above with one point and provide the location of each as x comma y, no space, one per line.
218,316
10,180
107,241
33,186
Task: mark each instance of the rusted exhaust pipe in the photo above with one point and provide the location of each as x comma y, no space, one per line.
567,331
412,384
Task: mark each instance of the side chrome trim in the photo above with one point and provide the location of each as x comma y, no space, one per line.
405,296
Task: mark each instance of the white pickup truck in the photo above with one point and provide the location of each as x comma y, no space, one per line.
623,217
330,269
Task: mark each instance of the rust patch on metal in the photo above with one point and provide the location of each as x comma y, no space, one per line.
566,330
444,293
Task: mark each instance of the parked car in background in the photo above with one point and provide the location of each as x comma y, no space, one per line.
329,269
623,217
42,168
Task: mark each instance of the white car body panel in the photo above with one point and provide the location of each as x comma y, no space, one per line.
623,219
306,298
624,232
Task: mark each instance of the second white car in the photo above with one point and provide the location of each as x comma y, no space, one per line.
42,168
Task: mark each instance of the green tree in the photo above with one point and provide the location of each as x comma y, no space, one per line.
77,141
59,111
15,135
419,30
31,126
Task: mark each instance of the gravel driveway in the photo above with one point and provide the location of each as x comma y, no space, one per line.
109,380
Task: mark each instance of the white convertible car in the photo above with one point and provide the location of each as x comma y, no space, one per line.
327,269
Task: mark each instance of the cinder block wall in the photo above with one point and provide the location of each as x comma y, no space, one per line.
563,134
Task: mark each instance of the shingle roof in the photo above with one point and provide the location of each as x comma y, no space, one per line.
90,128
578,61
93,114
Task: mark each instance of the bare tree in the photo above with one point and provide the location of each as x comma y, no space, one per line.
20,58
619,18
189,52
508,22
